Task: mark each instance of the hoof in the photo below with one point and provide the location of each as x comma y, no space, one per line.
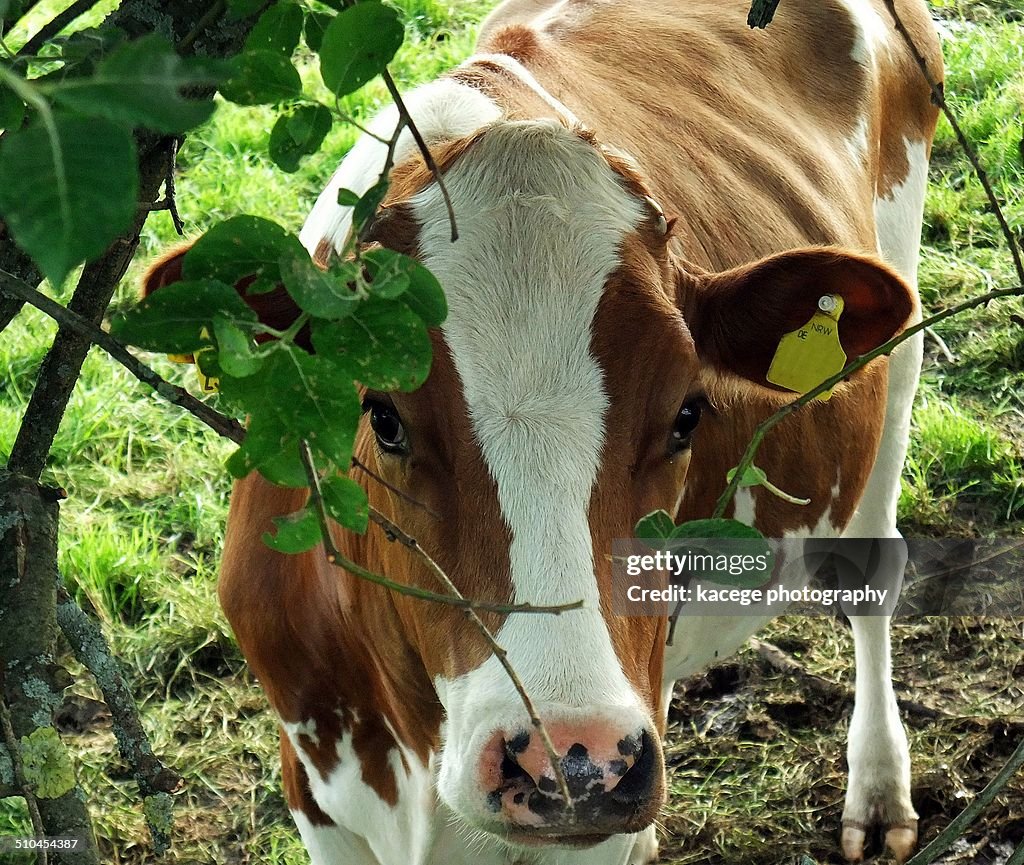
900,840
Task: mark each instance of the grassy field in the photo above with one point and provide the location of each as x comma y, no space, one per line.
756,759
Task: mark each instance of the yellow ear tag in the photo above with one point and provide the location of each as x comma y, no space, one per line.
809,355
207,384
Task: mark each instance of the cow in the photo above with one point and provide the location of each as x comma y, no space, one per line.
648,196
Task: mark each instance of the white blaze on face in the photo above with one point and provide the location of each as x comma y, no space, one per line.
541,219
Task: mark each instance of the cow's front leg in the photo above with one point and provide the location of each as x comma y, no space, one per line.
879,785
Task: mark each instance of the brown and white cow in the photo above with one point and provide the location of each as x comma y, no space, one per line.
587,336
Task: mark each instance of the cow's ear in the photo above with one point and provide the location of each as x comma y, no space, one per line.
166,270
739,316
275,308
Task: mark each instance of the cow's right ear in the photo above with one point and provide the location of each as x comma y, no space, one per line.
166,270
274,308
739,317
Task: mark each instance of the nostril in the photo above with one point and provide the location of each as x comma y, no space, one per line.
636,782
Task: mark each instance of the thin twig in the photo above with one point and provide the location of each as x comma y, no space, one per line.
14,752
939,97
389,161
336,557
955,829
53,27
885,348
454,598
219,423
424,150
402,494
941,343
169,190
499,653
351,121
761,13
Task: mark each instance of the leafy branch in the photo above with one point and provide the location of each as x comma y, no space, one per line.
455,598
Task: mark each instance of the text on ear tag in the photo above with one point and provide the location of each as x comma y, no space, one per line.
812,353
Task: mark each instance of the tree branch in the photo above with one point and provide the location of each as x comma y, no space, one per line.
21,785
337,558
219,423
92,650
402,494
31,684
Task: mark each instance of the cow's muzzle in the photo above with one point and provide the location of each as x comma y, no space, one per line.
615,781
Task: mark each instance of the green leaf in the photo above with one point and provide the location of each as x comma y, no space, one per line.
67,189
389,272
173,319
345,502
325,294
298,134
425,296
308,397
278,29
347,198
296,532
315,27
270,450
261,77
383,344
368,203
358,44
235,349
141,84
12,109
752,477
655,526
244,8
240,247
717,528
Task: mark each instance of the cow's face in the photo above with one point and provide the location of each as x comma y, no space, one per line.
565,392
568,382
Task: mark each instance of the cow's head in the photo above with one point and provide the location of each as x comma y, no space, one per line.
567,384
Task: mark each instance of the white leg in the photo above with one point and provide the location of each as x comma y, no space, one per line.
879,785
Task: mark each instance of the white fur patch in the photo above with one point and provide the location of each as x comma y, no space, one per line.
442,110
366,824
541,219
872,33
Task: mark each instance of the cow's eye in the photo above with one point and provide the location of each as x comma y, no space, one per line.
686,423
387,426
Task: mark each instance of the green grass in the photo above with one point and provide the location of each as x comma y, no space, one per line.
143,523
